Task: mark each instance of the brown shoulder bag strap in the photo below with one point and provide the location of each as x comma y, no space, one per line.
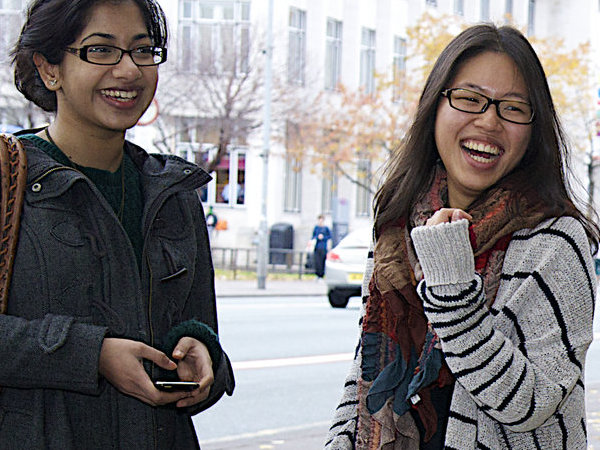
13,178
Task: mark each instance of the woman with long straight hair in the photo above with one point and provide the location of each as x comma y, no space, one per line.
479,294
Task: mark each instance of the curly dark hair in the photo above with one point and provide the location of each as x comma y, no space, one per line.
53,25
542,171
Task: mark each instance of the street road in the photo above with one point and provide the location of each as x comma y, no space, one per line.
290,357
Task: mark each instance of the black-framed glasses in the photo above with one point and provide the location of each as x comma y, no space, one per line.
472,102
109,55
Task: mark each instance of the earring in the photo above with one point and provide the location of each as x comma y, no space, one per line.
52,83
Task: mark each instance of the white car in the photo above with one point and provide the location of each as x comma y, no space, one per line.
345,267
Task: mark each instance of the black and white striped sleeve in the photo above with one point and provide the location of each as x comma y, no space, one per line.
521,360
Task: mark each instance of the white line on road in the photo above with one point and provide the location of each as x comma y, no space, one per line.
295,361
275,304
268,432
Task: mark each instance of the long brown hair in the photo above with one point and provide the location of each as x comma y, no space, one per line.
541,172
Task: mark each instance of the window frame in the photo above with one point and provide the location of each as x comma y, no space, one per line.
368,56
197,26
292,194
484,10
11,20
329,184
189,152
333,53
531,18
297,46
364,198
459,7
399,66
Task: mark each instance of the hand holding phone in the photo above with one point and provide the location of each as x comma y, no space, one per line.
176,386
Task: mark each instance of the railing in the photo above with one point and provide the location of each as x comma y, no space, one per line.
245,259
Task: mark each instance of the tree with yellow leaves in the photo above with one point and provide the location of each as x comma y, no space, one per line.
346,126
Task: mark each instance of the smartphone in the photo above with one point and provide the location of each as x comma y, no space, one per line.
173,386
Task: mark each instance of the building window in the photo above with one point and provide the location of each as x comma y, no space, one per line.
399,65
367,60
228,186
293,184
333,54
214,36
11,20
363,195
297,46
292,191
328,189
431,2
459,7
230,178
485,10
531,18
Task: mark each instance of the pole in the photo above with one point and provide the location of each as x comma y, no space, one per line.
263,246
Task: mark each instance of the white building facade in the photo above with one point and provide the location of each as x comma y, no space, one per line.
317,44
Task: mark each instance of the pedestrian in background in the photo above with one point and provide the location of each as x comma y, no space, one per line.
112,285
211,221
478,311
320,237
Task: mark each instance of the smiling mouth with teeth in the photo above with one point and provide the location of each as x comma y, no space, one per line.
483,153
122,96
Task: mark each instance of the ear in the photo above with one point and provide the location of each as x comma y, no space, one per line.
49,73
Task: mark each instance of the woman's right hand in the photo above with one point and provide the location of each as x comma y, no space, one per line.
447,215
121,363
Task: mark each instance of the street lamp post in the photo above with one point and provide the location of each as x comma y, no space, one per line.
263,246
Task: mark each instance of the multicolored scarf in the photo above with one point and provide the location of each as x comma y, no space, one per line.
401,356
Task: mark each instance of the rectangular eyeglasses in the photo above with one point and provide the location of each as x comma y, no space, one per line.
109,55
472,102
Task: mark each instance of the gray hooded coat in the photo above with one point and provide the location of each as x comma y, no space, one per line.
75,281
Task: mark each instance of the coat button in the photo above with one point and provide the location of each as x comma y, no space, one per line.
36,187
187,171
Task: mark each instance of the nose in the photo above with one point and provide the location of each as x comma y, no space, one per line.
126,68
489,119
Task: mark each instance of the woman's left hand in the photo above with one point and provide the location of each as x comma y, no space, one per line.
194,364
447,215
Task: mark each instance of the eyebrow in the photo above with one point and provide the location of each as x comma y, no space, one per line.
137,37
508,94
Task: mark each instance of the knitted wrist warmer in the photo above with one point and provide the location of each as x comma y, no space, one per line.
445,253
197,330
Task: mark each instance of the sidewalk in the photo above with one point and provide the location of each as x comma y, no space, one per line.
273,288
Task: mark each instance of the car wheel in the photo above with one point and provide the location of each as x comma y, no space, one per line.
338,299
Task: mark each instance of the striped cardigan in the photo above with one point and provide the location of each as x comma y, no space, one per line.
519,364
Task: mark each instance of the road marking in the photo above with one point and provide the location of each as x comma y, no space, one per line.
295,361
279,305
265,433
